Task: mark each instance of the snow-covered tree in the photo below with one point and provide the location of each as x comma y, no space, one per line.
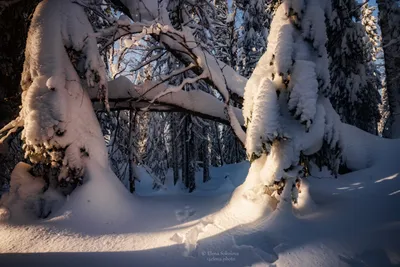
370,23
60,128
354,79
252,36
285,111
226,42
224,32
389,21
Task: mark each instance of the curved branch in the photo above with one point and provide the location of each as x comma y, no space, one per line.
123,94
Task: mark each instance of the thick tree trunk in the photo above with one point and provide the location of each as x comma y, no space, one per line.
188,167
389,13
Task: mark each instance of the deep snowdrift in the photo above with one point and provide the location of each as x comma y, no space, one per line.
349,221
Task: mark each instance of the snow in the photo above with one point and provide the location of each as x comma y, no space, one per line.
303,97
231,220
264,126
349,221
284,48
24,195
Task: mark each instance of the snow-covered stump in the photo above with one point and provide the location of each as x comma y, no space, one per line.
284,108
61,132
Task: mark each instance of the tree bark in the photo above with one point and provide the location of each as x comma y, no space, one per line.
132,175
175,158
206,157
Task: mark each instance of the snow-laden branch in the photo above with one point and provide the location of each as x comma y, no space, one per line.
221,76
123,94
184,47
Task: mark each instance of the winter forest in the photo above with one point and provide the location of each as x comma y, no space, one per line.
200,133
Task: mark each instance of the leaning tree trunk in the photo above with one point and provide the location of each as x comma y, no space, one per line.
389,19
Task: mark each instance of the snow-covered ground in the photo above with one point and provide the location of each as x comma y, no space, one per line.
351,221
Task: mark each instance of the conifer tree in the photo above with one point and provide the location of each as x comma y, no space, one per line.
389,21
252,36
285,111
354,80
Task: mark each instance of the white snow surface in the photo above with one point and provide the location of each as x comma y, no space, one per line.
349,221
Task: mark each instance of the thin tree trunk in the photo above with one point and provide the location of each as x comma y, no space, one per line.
175,166
188,167
130,162
191,184
185,163
218,145
206,157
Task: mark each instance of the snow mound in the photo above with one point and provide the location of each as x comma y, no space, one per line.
102,199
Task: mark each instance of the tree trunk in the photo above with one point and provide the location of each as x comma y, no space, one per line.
184,153
206,157
219,154
191,184
175,158
188,167
132,175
